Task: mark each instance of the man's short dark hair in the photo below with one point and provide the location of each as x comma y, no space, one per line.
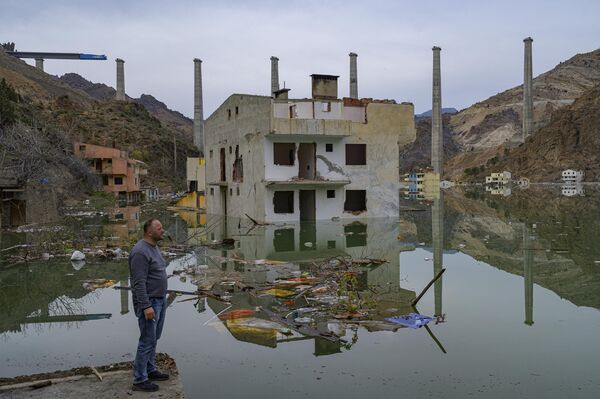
148,224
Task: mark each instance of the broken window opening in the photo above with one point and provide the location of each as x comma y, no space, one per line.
293,112
210,154
283,202
228,114
212,191
238,191
328,147
118,180
356,201
237,110
356,154
104,180
326,107
330,193
284,154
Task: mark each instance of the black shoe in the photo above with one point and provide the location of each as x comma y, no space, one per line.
158,376
145,386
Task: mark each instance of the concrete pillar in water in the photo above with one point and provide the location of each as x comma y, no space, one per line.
437,140
198,107
528,275
124,297
274,74
353,76
120,80
527,91
39,63
437,238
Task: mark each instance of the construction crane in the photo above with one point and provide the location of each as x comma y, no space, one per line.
41,56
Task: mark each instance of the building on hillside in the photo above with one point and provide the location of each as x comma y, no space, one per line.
120,174
421,184
572,176
281,159
498,179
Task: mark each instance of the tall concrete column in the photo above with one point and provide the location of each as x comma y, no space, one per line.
437,140
353,76
39,63
528,275
437,238
274,74
527,90
198,107
120,80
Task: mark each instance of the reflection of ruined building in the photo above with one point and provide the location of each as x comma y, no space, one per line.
572,189
26,203
120,174
422,184
279,159
123,223
301,244
498,179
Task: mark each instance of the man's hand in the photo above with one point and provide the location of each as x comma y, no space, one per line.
149,313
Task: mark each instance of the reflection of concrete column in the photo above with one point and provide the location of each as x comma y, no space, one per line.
527,90
39,63
528,275
120,79
437,151
437,238
124,297
353,76
198,106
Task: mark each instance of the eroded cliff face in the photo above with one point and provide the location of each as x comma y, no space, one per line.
570,141
487,130
498,119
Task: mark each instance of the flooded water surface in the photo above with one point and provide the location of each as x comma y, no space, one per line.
515,314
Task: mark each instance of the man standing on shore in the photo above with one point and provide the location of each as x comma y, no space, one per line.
147,271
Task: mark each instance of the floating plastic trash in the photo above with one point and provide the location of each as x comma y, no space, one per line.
412,320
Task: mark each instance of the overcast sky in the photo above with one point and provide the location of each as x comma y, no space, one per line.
482,47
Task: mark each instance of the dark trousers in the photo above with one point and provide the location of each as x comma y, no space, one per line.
150,331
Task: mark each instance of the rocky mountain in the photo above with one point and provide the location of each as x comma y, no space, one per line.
418,154
487,130
49,104
159,110
497,120
570,141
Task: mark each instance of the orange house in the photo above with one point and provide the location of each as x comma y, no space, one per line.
120,174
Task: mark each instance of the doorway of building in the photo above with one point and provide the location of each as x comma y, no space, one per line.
307,161
308,210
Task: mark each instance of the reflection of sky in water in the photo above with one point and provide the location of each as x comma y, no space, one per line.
488,246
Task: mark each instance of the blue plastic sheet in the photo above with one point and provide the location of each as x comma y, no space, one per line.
412,320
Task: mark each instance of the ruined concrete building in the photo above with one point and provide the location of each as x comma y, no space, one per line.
279,159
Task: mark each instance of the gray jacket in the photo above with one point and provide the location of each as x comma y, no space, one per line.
147,270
